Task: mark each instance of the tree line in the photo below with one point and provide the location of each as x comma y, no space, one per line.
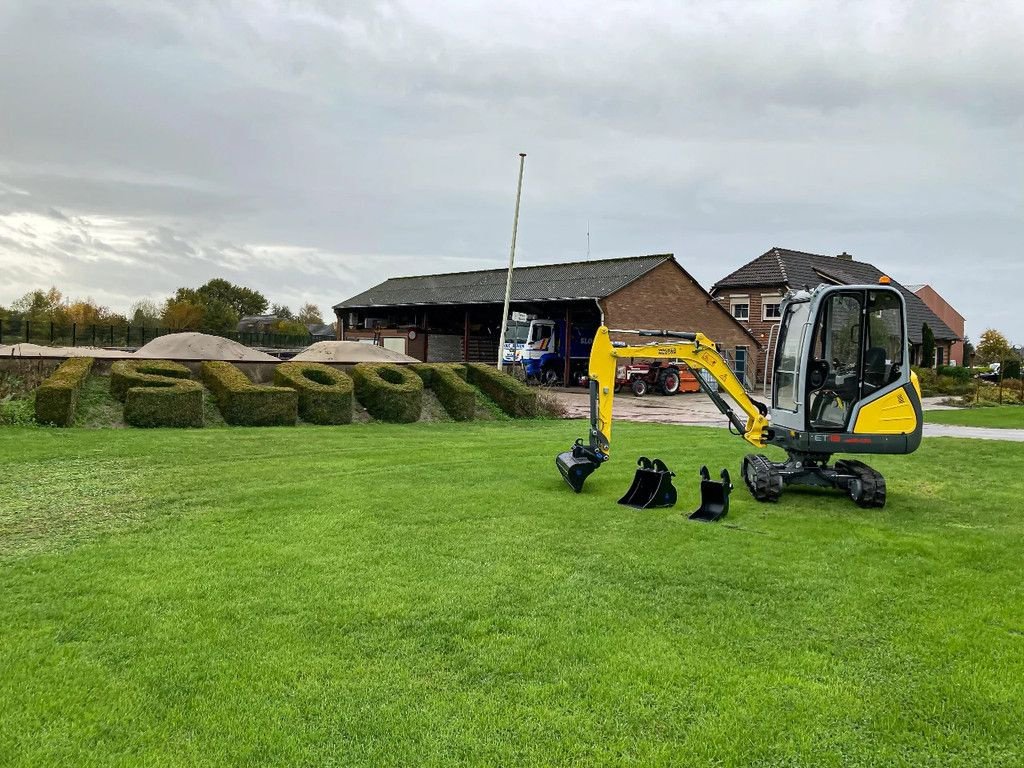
214,307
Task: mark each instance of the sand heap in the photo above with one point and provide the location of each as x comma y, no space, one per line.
200,346
350,352
35,350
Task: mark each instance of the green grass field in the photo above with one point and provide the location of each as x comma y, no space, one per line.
434,595
1004,417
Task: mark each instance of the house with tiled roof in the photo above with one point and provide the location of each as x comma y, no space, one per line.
753,293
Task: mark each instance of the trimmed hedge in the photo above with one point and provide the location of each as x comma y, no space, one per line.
245,404
157,393
457,397
389,392
325,394
512,396
57,397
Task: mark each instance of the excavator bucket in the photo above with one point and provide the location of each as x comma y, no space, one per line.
576,466
651,487
714,497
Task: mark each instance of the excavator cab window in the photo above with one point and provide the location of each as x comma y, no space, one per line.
834,364
883,356
787,357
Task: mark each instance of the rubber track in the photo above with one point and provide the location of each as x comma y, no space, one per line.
767,485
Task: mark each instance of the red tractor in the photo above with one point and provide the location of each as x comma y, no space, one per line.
666,378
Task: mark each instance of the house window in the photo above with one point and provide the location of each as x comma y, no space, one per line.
740,307
771,308
739,366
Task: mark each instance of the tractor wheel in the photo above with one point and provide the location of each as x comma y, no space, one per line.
639,387
761,478
669,381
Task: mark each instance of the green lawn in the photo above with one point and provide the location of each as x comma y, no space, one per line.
433,594
1002,416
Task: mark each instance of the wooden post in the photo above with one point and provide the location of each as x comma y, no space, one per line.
465,339
567,351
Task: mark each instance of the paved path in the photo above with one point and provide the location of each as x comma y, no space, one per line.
696,409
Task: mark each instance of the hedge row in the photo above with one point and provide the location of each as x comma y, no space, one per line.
157,393
243,403
512,396
57,397
325,395
389,392
448,382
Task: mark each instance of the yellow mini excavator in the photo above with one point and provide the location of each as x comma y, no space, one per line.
841,384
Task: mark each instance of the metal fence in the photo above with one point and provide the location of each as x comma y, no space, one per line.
74,335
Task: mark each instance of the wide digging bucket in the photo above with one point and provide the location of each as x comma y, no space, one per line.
651,487
714,497
576,466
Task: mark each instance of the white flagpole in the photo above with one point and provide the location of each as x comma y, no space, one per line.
511,263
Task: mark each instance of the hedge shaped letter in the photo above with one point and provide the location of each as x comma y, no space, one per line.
325,395
57,397
157,393
245,404
389,392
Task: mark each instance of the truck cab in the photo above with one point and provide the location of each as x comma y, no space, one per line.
544,354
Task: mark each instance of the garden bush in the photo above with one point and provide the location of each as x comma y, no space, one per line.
57,397
932,383
157,393
325,394
956,372
245,404
457,397
512,396
389,392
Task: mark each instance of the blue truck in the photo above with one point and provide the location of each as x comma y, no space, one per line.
544,351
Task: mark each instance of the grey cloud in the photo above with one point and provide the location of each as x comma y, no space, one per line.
318,147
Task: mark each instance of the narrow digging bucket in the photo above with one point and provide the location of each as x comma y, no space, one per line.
651,487
714,497
576,466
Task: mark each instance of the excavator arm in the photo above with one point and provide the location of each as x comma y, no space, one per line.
694,349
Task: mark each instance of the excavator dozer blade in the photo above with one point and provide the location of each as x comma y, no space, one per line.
651,487
576,466
714,497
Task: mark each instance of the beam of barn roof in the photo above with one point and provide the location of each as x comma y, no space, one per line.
595,279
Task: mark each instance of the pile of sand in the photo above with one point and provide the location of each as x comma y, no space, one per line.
35,350
350,352
200,346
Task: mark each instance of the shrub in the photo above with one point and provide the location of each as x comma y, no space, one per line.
57,397
956,372
512,396
457,397
243,403
1011,369
389,392
325,394
157,393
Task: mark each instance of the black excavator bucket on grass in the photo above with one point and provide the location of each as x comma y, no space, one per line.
652,486
577,465
714,497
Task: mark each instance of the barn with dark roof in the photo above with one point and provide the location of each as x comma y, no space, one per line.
457,316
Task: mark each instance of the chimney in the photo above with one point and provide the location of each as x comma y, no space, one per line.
845,256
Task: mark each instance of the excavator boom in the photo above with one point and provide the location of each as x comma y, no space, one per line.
694,349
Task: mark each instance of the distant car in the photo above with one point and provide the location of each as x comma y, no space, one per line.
992,374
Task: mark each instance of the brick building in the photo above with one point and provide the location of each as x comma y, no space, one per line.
457,316
752,294
948,315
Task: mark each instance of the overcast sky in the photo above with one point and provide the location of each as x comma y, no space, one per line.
313,149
